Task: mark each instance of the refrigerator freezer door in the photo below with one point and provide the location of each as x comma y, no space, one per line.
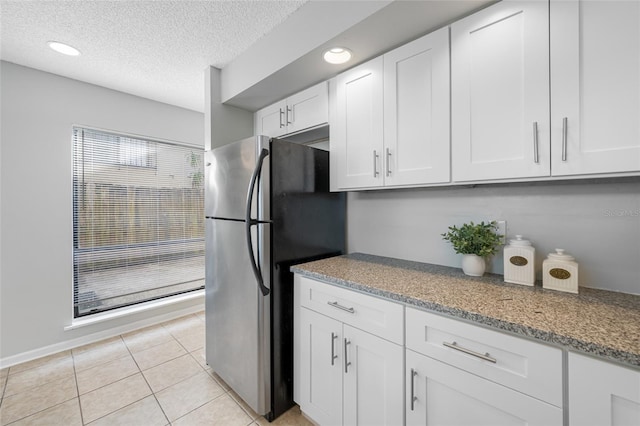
227,175
237,314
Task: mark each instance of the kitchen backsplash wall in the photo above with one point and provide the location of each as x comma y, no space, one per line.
597,222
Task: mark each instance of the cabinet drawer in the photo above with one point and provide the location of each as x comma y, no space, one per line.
532,368
376,316
444,395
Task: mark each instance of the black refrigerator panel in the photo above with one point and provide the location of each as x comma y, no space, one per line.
308,223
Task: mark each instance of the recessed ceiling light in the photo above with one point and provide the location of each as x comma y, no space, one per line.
337,55
65,49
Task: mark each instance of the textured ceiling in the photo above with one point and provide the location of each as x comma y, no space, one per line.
154,49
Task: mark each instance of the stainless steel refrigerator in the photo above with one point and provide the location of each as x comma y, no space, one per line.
268,206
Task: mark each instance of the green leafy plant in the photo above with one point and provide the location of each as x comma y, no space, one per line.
194,159
481,239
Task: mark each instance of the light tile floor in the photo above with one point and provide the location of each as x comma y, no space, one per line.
154,376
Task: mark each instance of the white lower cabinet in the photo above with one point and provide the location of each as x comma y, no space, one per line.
602,394
461,374
373,380
363,360
347,376
348,356
445,395
320,369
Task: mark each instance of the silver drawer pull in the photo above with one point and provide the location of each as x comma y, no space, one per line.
344,308
289,116
388,162
455,346
414,398
347,363
375,164
334,336
535,143
565,124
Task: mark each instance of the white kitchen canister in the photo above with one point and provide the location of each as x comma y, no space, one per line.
560,272
519,258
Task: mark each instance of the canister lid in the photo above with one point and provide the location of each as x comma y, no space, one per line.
519,242
559,255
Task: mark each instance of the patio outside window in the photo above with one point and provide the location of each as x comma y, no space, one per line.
138,221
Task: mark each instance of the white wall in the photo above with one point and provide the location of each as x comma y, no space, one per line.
38,110
598,223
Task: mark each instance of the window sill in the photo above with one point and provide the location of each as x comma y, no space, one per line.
130,310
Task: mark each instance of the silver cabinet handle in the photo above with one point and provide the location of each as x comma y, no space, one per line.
375,164
414,398
346,363
281,118
339,306
455,346
289,115
535,142
333,355
388,162
564,138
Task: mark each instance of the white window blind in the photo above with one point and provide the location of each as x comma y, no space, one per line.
138,220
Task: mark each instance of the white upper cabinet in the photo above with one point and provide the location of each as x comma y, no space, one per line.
416,112
595,77
271,121
301,111
500,92
356,127
390,125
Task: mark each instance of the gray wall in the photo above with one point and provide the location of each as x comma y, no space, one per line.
598,223
38,110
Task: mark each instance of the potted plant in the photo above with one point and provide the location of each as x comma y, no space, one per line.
475,242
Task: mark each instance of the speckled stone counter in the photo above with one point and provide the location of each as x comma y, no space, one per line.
597,322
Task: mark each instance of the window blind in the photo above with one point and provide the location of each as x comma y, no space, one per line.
138,220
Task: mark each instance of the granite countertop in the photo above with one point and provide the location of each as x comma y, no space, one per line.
597,322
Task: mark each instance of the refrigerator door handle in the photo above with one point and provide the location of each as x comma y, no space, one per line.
250,222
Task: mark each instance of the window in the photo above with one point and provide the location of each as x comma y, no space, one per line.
138,220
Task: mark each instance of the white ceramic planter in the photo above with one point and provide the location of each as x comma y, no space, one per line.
473,265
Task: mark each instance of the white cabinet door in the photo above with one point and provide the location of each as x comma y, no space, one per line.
373,380
602,394
500,92
356,129
301,111
595,77
320,367
416,112
444,395
308,108
271,121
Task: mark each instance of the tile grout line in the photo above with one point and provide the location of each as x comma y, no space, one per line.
146,381
203,369
225,391
4,387
199,407
44,409
75,377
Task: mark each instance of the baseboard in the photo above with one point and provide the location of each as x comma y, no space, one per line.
95,337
